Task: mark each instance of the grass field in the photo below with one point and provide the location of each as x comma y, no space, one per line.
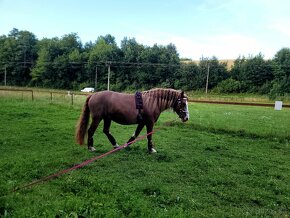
227,161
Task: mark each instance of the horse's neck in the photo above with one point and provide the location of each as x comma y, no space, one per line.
161,100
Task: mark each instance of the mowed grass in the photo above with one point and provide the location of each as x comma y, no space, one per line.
227,161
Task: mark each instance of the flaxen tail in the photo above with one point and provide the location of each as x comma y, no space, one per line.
81,128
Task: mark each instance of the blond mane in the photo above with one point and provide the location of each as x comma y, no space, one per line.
160,97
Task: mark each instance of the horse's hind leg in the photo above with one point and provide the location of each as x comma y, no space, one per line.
91,131
106,130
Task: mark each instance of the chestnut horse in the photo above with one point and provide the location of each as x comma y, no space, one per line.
121,108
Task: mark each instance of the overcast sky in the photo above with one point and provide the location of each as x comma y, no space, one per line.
221,28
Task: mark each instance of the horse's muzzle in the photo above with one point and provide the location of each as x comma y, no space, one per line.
184,119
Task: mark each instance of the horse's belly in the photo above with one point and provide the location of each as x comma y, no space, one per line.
123,120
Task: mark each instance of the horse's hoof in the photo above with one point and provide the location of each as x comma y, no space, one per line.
116,146
91,148
152,151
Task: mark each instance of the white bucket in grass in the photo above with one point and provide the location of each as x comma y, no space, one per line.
278,105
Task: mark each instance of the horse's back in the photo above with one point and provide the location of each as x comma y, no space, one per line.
119,107
110,97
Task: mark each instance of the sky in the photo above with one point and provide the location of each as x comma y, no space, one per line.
225,29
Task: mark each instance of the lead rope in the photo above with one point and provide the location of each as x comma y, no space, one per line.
52,176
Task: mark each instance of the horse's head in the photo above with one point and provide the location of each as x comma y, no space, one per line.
181,107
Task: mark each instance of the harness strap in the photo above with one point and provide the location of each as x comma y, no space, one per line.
139,105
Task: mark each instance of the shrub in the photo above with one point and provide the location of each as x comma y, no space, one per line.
229,86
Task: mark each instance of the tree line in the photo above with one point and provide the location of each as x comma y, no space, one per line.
66,63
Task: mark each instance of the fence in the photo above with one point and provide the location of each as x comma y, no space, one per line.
68,97
238,103
73,98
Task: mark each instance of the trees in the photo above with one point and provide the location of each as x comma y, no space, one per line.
218,71
130,77
161,63
147,67
68,64
59,62
254,74
281,66
188,77
17,55
102,54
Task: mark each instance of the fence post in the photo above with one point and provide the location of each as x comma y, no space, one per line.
51,97
32,97
72,98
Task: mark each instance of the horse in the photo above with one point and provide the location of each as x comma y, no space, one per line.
121,108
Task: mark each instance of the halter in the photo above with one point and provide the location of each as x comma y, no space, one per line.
182,110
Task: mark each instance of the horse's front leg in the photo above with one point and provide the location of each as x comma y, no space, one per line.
149,138
137,132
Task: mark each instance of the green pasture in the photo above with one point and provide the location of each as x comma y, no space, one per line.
227,161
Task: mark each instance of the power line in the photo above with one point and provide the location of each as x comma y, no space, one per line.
123,64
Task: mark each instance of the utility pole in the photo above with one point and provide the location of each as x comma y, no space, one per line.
5,74
96,78
24,58
109,71
207,75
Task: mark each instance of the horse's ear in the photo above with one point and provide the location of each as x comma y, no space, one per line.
182,94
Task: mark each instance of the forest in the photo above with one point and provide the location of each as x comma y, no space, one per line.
67,63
